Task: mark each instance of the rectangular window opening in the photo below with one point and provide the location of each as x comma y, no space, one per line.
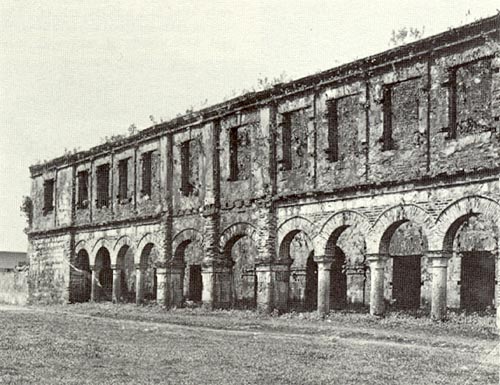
387,141
333,132
452,104
123,179
147,173
102,186
233,154
48,196
286,133
186,187
83,189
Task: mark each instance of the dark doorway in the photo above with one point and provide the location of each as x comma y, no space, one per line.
195,283
477,286
406,278
105,275
311,295
338,281
82,278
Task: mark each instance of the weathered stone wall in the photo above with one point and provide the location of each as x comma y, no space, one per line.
14,286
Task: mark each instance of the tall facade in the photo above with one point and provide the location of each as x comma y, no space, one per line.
375,183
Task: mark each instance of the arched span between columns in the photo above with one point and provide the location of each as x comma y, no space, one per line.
335,226
81,245
122,241
101,242
389,221
235,232
288,229
147,239
184,237
450,219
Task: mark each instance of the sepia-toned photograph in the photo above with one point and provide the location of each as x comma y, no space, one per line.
250,192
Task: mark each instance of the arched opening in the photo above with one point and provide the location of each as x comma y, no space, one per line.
473,262
104,275
242,252
125,262
147,265
348,273
190,254
81,277
303,285
405,243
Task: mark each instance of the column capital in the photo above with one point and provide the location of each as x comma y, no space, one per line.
438,254
323,258
161,270
137,266
377,257
115,266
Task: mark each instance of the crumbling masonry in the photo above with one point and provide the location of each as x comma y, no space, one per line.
375,183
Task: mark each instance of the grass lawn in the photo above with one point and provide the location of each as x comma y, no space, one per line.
125,344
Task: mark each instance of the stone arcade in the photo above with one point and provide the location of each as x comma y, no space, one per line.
375,183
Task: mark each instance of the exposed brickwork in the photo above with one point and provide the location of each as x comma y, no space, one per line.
383,160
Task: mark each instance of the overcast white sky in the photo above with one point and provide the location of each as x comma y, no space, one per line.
72,73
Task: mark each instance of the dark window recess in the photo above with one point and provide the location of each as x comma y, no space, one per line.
233,154
333,132
452,104
48,196
102,199
147,173
387,141
83,189
123,179
286,134
186,187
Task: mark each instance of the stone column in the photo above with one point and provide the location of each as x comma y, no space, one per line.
217,284
139,284
207,277
94,288
439,263
324,266
377,268
281,284
117,284
264,287
161,280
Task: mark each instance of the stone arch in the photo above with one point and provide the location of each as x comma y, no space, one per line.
81,245
382,230
291,227
122,241
146,241
336,225
453,216
185,237
100,243
236,231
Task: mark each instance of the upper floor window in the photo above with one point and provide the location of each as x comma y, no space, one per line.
239,153
186,186
294,139
102,199
83,189
48,196
401,111
123,179
147,173
469,98
333,131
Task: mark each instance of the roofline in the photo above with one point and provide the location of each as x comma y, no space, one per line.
360,67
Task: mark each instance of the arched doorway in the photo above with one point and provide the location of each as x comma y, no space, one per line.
147,266
241,251
190,254
81,277
104,275
406,249
475,250
125,262
303,286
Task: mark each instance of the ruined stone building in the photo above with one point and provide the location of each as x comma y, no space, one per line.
375,183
